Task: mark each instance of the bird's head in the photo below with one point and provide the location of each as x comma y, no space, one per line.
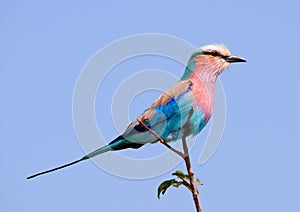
211,59
217,55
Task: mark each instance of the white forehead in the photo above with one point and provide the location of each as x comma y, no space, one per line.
216,47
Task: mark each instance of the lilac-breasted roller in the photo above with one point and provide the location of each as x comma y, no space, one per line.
181,111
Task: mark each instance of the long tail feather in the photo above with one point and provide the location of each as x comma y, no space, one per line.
51,170
90,155
117,144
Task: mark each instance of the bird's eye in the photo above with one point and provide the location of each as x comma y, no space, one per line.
215,53
212,53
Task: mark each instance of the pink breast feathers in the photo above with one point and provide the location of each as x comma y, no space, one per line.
203,94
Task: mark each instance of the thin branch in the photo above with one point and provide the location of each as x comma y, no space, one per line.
187,184
191,175
161,140
187,161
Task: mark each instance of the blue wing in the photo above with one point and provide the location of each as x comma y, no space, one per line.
172,116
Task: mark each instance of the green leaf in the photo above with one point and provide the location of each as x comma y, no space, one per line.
198,182
173,182
177,184
164,186
181,175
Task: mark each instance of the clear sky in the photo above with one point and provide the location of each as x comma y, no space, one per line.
43,48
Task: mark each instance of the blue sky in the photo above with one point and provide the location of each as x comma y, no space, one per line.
44,46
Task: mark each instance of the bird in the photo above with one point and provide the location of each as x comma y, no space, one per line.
181,111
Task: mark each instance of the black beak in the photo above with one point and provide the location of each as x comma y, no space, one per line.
234,59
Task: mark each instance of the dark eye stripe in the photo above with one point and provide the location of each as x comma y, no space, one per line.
213,53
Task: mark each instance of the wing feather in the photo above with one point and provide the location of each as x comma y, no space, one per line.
172,104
